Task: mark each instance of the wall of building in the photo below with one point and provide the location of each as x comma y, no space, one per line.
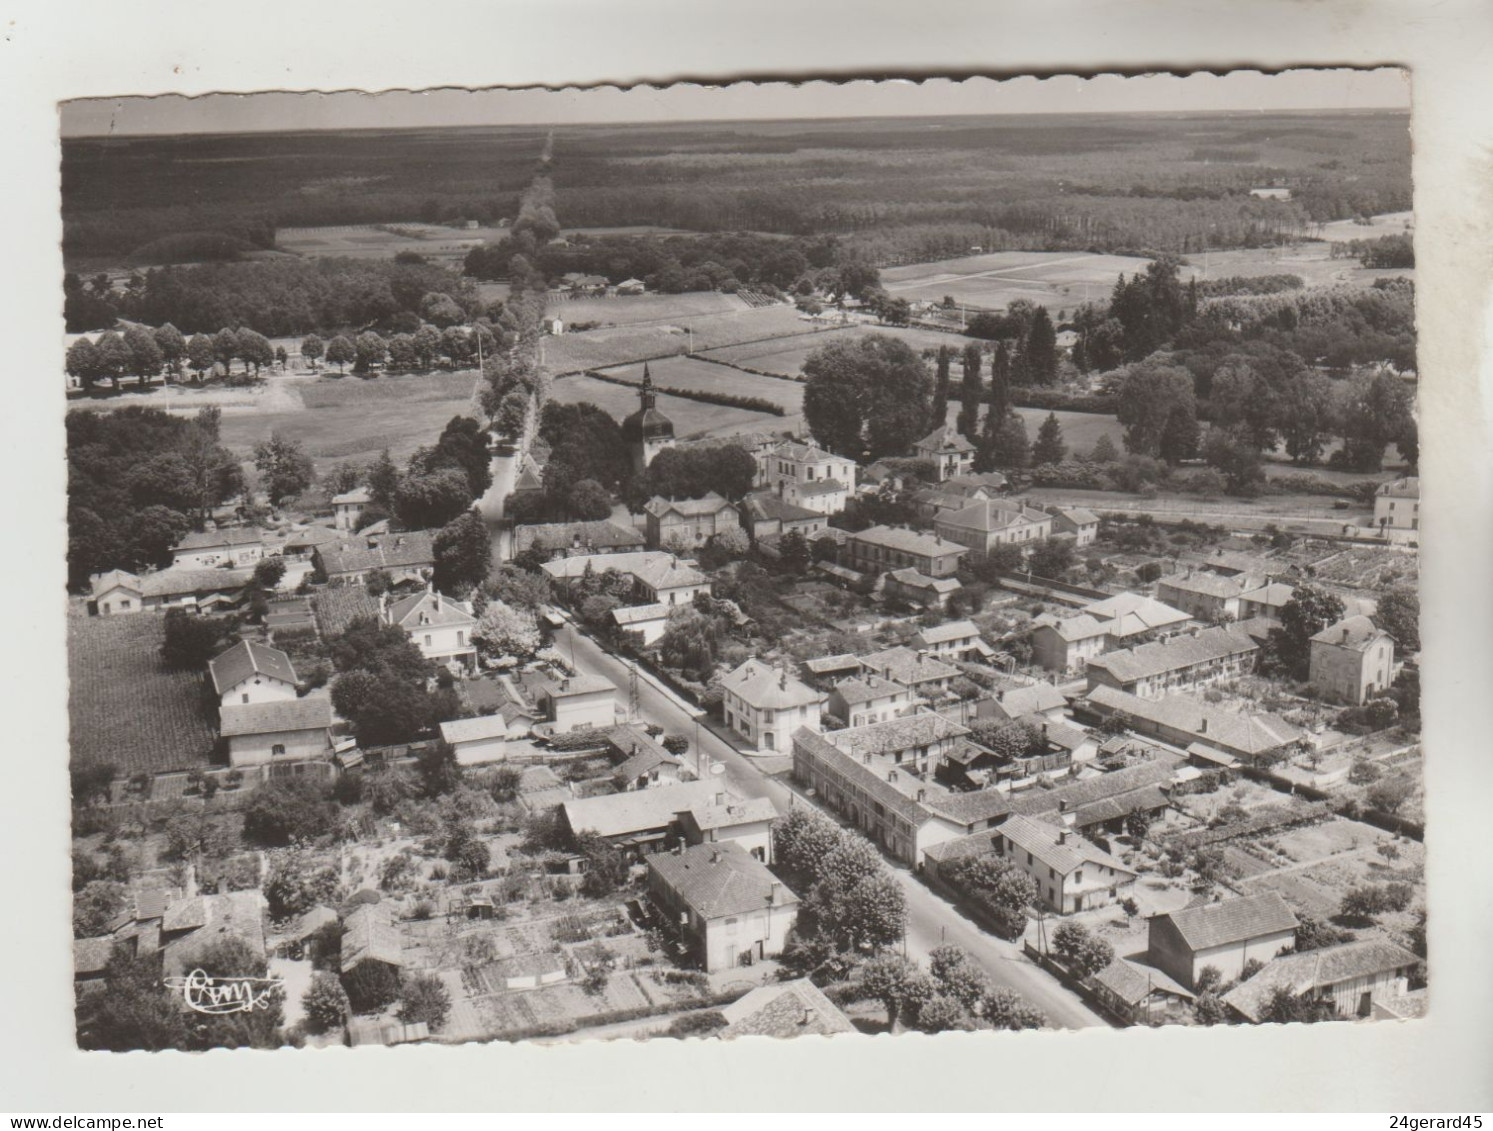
477,751
1168,951
258,689
592,709
258,749
1350,676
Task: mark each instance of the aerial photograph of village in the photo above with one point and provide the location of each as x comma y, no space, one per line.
567,579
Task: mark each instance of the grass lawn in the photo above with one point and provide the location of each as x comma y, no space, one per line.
691,418
704,376
786,355
627,310
596,349
125,708
1056,279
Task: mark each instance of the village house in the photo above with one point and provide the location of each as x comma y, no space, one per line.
784,1009
954,640
115,592
348,507
252,673
765,513
631,287
983,525
930,502
661,578
285,730
1099,807
1081,523
644,763
1352,660
439,626
1354,976
807,475
1065,644
1189,660
881,549
747,822
1265,601
764,705
1225,935
1071,873
1130,618
727,905
923,675
912,587
977,484
578,702
1205,595
650,621
640,821
1141,995
369,934
404,556
1178,720
824,670
478,740
119,592
688,523
233,547
1040,699
567,539
867,699
949,451
916,743
647,431
1397,505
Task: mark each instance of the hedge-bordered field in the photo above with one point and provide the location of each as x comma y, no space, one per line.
125,708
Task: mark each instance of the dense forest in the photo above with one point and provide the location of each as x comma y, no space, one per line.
900,190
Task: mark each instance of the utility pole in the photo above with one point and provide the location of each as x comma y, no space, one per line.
632,692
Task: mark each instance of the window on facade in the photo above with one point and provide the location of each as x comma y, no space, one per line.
461,637
1029,859
427,641
278,748
1078,876
1052,874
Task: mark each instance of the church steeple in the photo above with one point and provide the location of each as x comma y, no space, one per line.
645,390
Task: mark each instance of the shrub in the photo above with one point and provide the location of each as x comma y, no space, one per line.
325,1003
371,986
702,1024
424,998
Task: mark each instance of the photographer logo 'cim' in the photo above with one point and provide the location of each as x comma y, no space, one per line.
207,994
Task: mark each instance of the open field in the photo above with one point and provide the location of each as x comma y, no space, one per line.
786,355
691,418
366,241
125,708
596,349
705,376
1312,261
1055,279
631,310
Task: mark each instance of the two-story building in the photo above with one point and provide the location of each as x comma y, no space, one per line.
252,673
916,743
578,702
1080,522
1193,659
1265,601
233,547
688,523
1071,873
403,556
571,539
1205,595
661,578
1352,660
1226,935
764,705
954,640
639,821
809,476
277,730
441,627
766,513
1397,505
725,903
882,549
983,525
1354,977
948,450
747,821
348,508
868,699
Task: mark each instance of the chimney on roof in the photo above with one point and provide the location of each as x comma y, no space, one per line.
922,795
565,684
1062,806
1062,836
715,855
891,775
1203,726
720,798
808,1017
866,758
783,680
775,891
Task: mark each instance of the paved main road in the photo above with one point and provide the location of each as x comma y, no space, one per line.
931,919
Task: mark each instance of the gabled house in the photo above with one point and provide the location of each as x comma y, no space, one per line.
1071,873
115,592
868,699
983,525
765,513
252,673
1354,977
478,740
567,539
661,578
578,702
641,821
1181,721
1265,601
369,935
916,743
1226,936
644,763
1040,699
954,640
726,904
1397,505
784,1009
1187,660
441,627
807,475
404,556
284,730
1352,660
923,675
882,549
949,451
348,507
1205,595
1080,522
233,547
688,523
914,587
1064,644
193,924
747,822
764,705
1131,617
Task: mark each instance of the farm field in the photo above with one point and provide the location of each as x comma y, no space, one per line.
1312,261
705,376
597,349
691,418
630,310
367,241
125,708
786,356
1057,279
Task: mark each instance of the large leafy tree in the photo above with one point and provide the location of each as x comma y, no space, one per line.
284,467
1398,613
1308,612
969,393
869,395
1148,395
463,554
432,499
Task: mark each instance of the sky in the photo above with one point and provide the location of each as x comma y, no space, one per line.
1239,91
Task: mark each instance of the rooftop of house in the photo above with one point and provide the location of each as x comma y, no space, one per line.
430,609
480,729
90,956
1250,733
988,515
907,667
710,504
821,487
914,579
412,549
210,919
784,1009
1273,594
245,660
114,579
1352,633
357,495
1132,613
369,932
1079,516
629,615
655,568
905,733
971,482
768,688
582,683
1036,699
868,688
945,633
165,583
641,810
720,879
945,440
829,665
602,534
866,771
1209,584
800,452
314,712
1232,920
907,541
767,506
1407,488
1090,791
1316,969
218,539
1147,660
1069,629
1132,983
753,810
1059,848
